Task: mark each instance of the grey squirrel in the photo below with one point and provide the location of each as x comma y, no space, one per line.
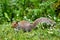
24,25
27,26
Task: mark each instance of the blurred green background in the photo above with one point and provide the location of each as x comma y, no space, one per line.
17,10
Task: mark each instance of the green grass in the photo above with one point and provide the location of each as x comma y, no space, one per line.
8,33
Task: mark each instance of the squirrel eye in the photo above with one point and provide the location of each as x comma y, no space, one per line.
15,24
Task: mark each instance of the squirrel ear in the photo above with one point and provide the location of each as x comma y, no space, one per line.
17,22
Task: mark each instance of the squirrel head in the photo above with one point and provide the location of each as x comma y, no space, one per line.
14,24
